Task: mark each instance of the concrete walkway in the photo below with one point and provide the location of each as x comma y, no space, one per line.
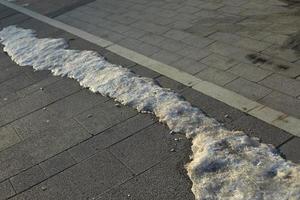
248,47
59,141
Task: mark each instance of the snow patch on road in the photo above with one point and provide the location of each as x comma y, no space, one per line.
225,164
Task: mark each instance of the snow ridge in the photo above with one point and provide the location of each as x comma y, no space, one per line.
225,164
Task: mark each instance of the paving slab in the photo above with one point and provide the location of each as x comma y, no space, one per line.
148,186
6,190
290,149
8,137
218,61
282,84
110,113
110,136
76,103
147,148
216,76
248,89
57,164
283,102
144,72
27,178
81,181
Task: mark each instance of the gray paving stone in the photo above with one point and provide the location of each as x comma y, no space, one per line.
282,84
188,9
8,70
28,178
212,107
8,95
211,5
80,44
7,12
38,86
239,41
104,116
150,27
36,123
180,24
24,106
153,39
189,65
14,19
225,37
199,29
37,100
252,44
176,34
194,53
53,141
229,51
108,34
197,41
14,160
8,137
76,103
166,57
172,45
62,88
146,49
282,67
282,102
144,72
19,82
126,20
285,54
246,32
166,82
146,149
250,72
36,75
42,29
111,136
134,33
256,128
118,60
231,9
216,76
218,61
163,181
290,150
6,190
278,39
248,89
57,163
237,120
82,181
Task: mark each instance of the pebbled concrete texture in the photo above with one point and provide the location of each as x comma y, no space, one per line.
65,142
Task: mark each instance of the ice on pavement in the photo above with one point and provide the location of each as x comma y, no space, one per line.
225,164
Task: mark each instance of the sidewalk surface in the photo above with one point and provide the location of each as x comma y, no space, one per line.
249,47
60,141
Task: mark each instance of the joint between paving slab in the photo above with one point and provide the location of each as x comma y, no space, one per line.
266,114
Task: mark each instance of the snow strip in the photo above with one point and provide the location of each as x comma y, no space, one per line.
225,164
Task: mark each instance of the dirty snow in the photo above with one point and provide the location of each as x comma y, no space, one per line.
225,164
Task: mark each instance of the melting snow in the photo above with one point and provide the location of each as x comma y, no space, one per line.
225,165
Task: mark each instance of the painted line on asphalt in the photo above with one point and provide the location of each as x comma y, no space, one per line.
276,118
